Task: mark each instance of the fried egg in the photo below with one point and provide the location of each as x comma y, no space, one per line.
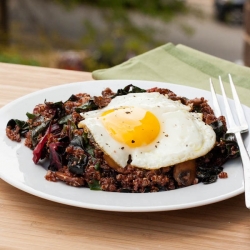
149,129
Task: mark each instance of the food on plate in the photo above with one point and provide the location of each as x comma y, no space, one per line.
134,140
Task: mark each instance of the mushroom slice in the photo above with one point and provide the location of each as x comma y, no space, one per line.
185,172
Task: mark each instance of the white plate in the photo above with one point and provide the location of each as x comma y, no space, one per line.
17,167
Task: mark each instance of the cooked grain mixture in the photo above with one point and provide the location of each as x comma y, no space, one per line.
52,132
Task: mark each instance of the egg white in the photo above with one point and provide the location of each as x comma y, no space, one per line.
183,135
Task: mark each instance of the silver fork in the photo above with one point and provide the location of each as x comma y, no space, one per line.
235,129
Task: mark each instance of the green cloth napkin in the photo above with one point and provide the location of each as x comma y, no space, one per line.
181,65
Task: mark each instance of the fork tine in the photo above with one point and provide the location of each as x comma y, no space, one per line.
229,114
240,112
217,110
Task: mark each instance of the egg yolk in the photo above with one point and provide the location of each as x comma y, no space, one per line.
134,127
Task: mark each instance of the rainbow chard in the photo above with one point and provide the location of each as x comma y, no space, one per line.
37,152
128,89
23,126
56,150
90,105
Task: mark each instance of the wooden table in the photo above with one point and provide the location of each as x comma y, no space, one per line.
29,222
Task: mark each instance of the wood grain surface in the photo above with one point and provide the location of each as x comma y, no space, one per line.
29,222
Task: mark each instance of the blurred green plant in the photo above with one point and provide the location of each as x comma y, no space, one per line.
117,40
17,59
120,42
122,39
164,9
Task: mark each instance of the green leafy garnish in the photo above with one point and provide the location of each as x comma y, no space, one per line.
77,141
128,89
64,120
72,98
30,115
219,129
94,185
54,104
24,126
97,166
90,105
38,130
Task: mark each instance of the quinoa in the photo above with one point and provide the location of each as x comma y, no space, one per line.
74,158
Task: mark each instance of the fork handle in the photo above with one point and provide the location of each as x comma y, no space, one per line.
246,167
